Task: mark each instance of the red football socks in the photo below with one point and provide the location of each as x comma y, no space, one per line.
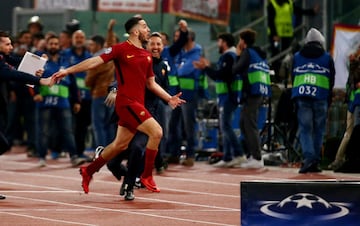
95,165
150,156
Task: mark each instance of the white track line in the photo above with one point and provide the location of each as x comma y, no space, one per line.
140,198
247,176
37,175
46,219
135,212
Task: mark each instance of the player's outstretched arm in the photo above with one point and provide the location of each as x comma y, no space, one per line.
82,66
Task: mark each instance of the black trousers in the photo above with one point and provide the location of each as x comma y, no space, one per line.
135,164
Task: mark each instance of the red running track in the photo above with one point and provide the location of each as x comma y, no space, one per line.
201,195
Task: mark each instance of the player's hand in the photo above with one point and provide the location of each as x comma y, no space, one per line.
176,101
56,77
110,99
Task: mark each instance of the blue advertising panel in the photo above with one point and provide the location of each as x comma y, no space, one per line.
316,203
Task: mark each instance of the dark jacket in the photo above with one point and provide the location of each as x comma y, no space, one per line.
7,74
161,78
242,65
315,50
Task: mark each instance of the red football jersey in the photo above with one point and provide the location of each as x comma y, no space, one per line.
133,67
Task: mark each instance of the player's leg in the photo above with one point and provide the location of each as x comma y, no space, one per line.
154,131
120,143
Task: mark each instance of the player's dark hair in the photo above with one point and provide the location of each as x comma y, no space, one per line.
131,23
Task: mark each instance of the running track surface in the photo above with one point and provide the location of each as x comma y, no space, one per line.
201,195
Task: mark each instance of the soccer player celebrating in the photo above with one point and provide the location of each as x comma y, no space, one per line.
134,73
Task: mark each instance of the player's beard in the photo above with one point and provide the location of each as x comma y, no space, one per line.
143,39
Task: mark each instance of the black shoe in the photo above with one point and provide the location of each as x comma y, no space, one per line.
127,192
310,168
2,197
138,183
129,195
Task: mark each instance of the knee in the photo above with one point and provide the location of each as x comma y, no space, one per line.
157,133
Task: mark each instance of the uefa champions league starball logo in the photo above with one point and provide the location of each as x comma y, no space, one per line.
304,205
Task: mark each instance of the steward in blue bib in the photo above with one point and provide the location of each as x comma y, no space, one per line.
227,85
313,75
254,71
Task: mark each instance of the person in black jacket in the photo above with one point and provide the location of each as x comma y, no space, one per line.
228,90
9,73
251,65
